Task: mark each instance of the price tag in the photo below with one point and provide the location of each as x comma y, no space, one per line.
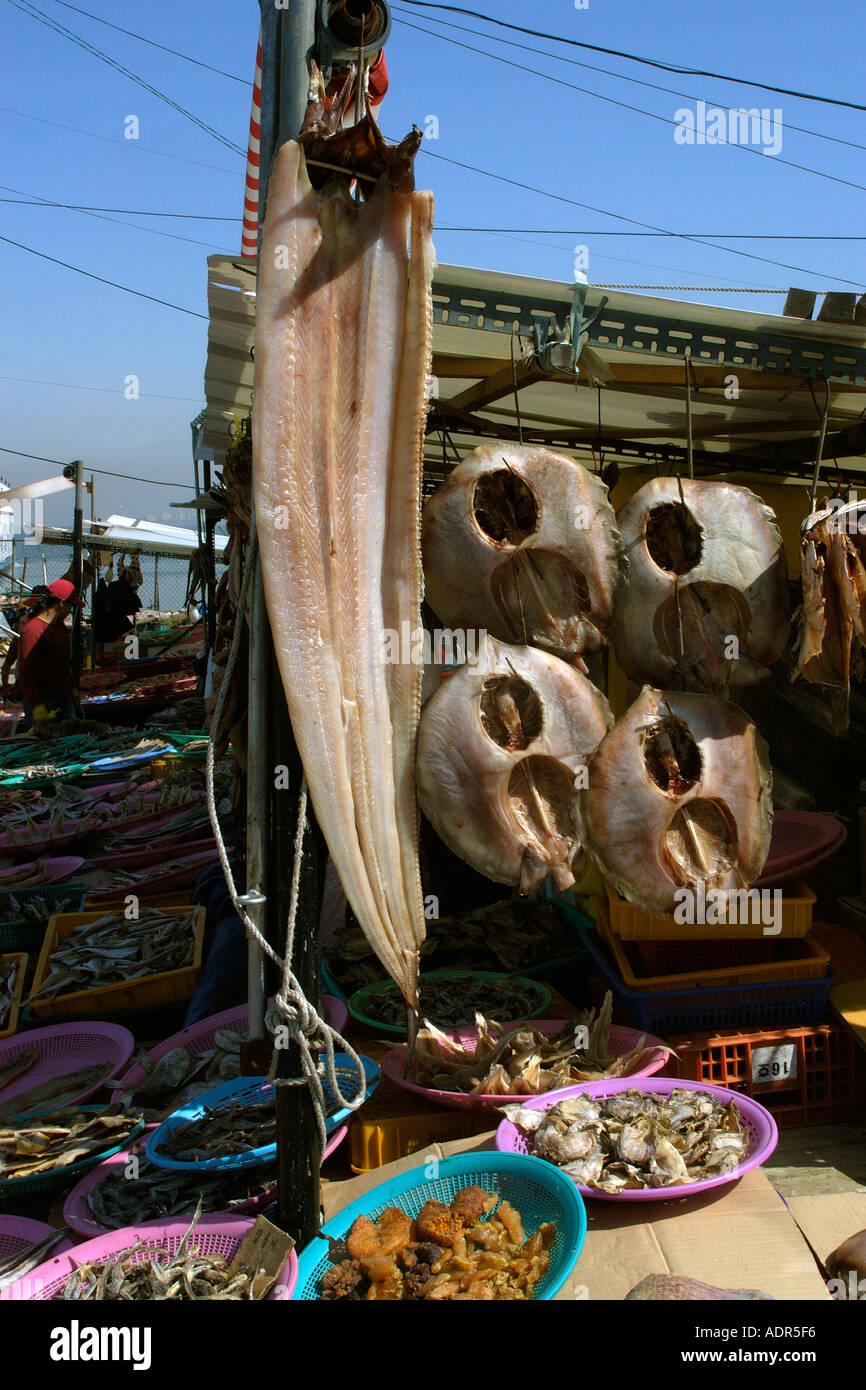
771,1064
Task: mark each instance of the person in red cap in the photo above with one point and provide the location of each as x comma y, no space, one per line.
45,656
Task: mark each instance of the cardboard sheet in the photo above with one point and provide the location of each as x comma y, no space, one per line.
829,1218
744,1237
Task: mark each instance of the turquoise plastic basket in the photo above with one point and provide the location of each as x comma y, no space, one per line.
13,1188
536,1189
252,1091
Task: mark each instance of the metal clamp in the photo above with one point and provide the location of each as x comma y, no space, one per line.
558,349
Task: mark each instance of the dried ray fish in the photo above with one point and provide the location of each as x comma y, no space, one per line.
523,1061
112,949
179,1076
635,1139
34,1145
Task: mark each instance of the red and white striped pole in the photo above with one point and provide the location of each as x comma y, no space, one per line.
250,232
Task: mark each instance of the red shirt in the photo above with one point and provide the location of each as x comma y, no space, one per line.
44,662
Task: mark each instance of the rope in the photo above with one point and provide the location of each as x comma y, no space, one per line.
304,1024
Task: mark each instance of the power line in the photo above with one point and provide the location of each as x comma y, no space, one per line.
115,221
25,8
105,472
126,212
620,76
113,283
621,217
107,390
625,105
635,58
728,236
127,144
140,37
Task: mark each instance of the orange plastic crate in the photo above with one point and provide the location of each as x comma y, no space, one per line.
804,1076
631,924
392,1125
9,1025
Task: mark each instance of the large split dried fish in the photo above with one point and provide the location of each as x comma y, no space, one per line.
343,334
29,1257
833,574
58,1091
679,794
114,949
499,746
523,542
707,601
181,1075
635,1139
523,1061
42,1144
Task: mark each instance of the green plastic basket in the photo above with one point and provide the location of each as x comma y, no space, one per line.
360,1002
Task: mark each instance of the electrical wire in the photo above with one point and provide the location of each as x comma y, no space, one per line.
141,39
728,236
107,390
25,8
635,58
627,106
126,212
105,472
113,283
115,221
620,76
127,144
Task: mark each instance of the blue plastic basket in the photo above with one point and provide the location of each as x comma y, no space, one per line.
538,1190
703,1009
252,1091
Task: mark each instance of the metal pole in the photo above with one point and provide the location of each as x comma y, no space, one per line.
77,532
93,575
156,583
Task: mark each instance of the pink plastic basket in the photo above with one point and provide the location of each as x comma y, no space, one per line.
64,1048
156,854
17,1232
160,883
200,1037
758,1123
220,1235
77,1214
55,870
393,1065
800,841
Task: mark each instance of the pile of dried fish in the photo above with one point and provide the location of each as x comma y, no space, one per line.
19,1264
455,1000
114,949
180,1075
58,1091
523,1062
38,909
9,968
29,1147
159,1193
228,1129
637,1140
509,935
147,1272
457,1252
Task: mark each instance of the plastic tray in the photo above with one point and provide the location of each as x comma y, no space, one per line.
719,1006
58,870
177,847
800,840
361,999
658,965
173,882
167,987
65,1048
804,1076
632,924
199,1037
758,1122
525,1182
10,1023
220,1234
396,1124
621,1040
17,1232
13,1188
252,1090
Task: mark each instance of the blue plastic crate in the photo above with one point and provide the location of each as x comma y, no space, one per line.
723,1006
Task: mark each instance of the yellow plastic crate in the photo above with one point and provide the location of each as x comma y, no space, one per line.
631,924
168,987
17,992
391,1126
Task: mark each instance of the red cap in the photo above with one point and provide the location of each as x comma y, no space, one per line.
62,589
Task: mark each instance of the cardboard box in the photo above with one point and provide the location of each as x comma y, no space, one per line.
740,1237
826,1220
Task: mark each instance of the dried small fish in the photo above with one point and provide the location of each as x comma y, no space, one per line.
637,1140
60,1091
228,1128
523,1061
151,1273
159,1193
114,949
28,1257
456,1000
30,1146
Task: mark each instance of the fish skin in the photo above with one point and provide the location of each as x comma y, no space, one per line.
329,436
463,775
623,816
742,552
833,576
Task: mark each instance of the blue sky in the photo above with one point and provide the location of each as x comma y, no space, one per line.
64,328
